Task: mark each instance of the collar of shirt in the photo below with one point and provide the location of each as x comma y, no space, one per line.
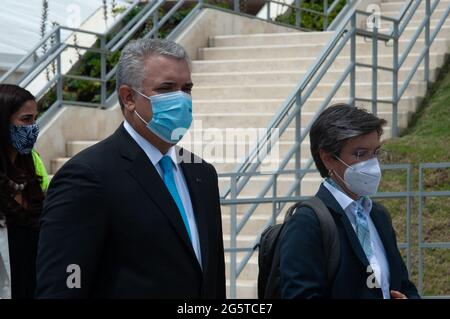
152,152
345,201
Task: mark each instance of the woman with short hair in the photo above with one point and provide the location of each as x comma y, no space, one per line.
345,145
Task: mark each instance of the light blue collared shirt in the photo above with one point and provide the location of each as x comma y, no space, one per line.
155,155
378,260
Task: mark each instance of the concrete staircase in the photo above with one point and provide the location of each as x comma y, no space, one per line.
241,81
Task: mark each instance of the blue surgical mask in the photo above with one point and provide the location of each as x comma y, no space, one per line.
23,137
172,115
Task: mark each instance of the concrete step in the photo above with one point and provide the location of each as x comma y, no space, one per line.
250,271
268,77
263,211
288,135
440,45
283,90
309,186
242,241
418,14
253,226
417,21
74,147
398,6
269,38
57,163
273,105
246,289
299,38
278,64
222,167
261,120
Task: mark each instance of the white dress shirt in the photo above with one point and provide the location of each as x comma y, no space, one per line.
378,260
5,268
155,155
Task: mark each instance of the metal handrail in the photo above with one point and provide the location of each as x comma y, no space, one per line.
286,107
291,108
54,32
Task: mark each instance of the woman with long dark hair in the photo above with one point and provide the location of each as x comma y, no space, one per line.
23,181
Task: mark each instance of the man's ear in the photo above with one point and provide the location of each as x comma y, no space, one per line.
127,97
327,159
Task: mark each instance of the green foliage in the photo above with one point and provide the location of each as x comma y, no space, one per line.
426,140
309,20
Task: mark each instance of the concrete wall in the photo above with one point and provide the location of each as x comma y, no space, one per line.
75,123
81,123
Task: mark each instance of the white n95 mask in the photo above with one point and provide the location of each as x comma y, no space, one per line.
362,178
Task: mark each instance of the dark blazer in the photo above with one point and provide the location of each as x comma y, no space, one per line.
22,242
108,211
303,265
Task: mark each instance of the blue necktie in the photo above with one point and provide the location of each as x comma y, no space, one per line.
361,223
167,166
362,230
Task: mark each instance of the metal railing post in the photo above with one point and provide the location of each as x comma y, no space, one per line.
103,71
374,69
298,136
268,9
325,15
59,82
427,43
274,203
298,13
353,60
395,68
236,5
155,21
233,235
420,272
409,199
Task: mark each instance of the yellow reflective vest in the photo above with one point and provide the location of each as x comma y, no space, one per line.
40,170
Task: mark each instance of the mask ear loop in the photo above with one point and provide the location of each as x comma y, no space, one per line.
140,117
332,173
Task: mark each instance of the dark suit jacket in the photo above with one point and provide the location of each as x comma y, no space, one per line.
303,265
108,211
23,242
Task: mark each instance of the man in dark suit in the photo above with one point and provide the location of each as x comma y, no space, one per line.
134,216
345,145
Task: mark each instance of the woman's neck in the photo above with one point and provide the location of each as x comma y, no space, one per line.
12,154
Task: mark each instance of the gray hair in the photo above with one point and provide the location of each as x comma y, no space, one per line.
130,70
335,126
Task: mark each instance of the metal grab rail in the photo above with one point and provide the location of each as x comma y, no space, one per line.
53,56
326,53
291,111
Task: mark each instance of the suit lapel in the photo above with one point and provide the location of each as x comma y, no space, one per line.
325,195
194,182
141,168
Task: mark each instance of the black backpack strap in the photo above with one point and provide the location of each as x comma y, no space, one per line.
272,290
330,236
